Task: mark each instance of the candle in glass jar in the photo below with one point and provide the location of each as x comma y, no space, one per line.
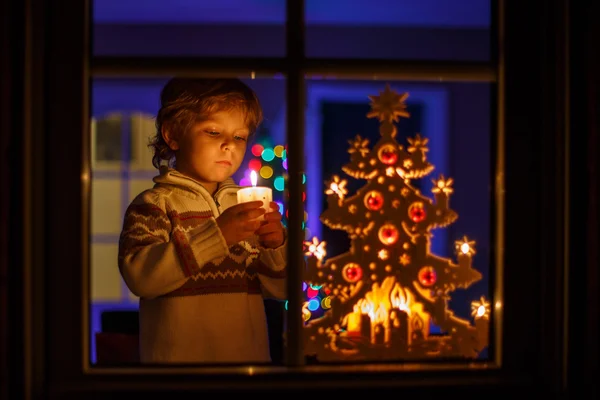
253,193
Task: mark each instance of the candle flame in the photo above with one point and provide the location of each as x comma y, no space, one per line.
480,308
465,248
480,311
253,177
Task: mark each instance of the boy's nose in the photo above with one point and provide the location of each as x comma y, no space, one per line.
226,145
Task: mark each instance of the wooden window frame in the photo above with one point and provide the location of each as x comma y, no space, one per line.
528,69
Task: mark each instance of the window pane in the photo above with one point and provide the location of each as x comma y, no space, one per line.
399,29
236,28
123,122
398,229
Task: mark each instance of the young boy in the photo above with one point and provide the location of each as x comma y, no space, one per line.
199,262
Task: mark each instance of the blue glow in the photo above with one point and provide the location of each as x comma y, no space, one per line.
279,183
313,304
268,155
440,13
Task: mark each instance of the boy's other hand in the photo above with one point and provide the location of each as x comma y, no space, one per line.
239,222
270,233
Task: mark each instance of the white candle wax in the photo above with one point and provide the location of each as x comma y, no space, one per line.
253,193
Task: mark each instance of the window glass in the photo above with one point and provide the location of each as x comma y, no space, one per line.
398,249
399,29
397,228
229,28
123,122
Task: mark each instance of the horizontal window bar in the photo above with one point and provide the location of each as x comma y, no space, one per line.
189,66
400,70
313,68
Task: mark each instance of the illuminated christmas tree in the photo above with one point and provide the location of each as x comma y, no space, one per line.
269,161
387,290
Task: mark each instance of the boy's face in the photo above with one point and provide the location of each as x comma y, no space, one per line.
212,151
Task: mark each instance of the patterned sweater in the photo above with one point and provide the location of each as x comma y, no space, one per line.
200,301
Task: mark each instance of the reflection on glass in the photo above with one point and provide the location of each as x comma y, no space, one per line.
399,29
387,275
123,123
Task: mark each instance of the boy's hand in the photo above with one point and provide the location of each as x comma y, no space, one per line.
239,222
270,233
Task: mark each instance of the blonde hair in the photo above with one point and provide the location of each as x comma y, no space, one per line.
187,101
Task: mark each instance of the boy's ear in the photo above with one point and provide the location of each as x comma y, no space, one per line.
170,139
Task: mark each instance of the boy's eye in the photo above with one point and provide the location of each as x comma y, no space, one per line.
240,138
212,133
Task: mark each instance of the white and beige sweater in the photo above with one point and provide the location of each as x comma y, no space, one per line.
200,300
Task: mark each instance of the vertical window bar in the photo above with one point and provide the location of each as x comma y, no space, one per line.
497,199
295,139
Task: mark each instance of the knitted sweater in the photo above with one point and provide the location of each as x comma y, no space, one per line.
200,300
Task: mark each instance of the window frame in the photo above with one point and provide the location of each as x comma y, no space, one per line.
537,137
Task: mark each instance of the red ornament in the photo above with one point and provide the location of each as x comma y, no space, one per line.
254,164
373,200
388,234
257,150
311,292
427,276
352,272
388,155
416,212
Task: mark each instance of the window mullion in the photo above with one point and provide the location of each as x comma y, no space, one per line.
295,60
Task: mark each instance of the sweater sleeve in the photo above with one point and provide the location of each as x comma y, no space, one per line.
156,256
